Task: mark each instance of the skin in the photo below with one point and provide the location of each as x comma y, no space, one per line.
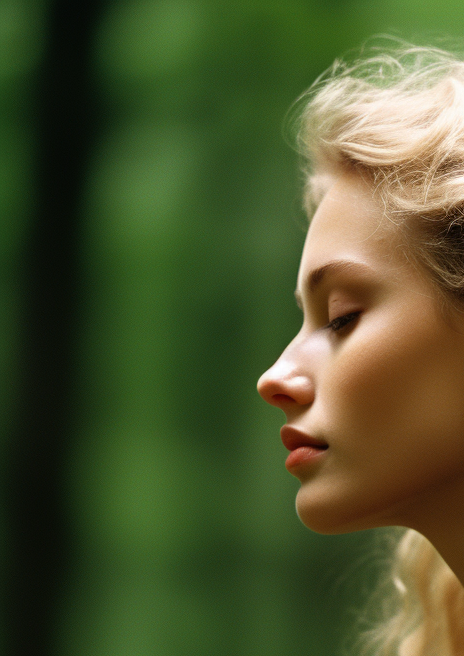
385,392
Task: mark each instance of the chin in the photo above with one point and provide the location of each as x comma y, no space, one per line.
331,519
324,525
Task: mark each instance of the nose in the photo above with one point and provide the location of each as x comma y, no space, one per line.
285,385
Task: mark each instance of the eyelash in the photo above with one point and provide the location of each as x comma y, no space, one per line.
339,323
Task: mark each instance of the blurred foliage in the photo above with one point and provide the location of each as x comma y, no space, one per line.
184,538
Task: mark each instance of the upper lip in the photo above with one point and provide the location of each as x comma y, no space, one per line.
293,438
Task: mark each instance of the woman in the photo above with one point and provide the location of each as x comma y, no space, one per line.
373,384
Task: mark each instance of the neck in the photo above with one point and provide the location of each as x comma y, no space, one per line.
440,518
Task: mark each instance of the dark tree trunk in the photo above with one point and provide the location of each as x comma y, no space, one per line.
38,537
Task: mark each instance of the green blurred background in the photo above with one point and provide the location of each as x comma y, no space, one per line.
150,233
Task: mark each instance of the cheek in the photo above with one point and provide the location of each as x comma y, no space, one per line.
366,381
392,411
398,383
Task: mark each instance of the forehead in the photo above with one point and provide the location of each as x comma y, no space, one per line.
350,225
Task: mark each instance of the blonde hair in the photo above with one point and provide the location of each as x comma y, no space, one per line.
397,118
419,605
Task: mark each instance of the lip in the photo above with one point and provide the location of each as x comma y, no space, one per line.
293,439
304,448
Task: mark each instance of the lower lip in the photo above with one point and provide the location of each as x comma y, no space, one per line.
303,456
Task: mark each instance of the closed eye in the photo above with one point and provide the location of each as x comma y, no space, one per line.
339,323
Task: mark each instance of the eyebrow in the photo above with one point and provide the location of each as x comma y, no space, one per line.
316,276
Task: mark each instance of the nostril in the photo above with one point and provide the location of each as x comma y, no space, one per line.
284,391
281,399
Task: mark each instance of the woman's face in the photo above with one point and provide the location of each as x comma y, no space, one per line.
373,384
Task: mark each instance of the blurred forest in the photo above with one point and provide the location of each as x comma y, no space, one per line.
150,233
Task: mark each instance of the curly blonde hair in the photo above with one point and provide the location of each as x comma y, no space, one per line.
397,118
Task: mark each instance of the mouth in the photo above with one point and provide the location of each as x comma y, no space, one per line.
294,439
305,450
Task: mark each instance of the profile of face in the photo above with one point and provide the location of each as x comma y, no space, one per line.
373,384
